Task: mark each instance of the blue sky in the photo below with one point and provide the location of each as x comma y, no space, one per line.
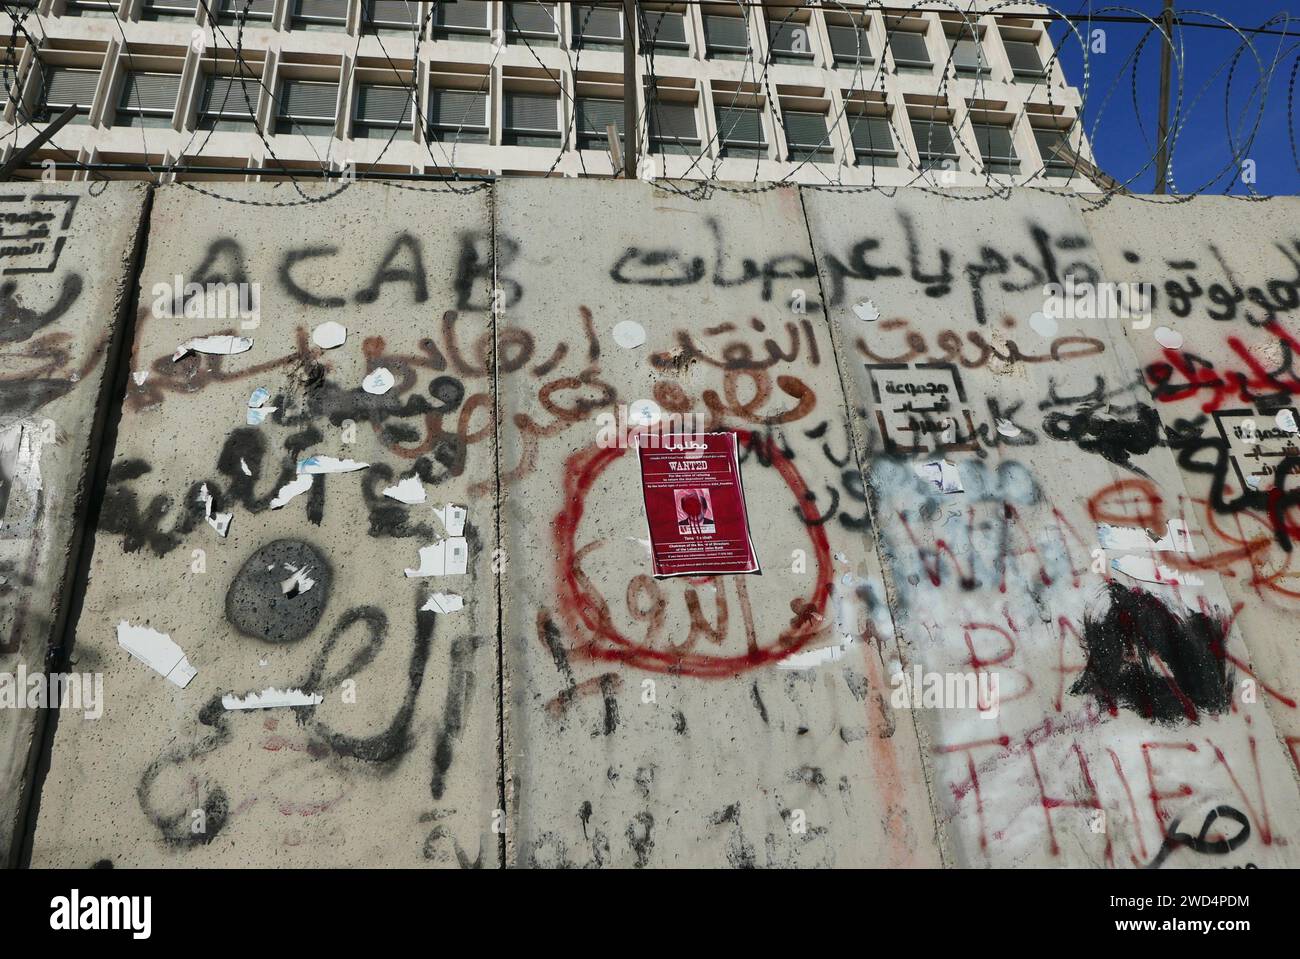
1123,142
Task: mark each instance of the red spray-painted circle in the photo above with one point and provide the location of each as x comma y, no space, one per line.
581,605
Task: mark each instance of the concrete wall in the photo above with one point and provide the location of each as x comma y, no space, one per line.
579,712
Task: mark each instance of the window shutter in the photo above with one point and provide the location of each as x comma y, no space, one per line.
933,137
967,55
784,37
462,13
871,134
261,9
726,33
849,43
393,11
313,101
672,121
226,96
323,9
531,111
458,108
151,91
1023,56
664,26
531,18
994,141
909,47
172,6
65,86
595,115
806,130
383,105
597,23
1048,141
740,125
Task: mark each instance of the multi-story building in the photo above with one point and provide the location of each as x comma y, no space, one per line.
814,92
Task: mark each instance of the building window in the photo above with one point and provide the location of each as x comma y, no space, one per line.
995,148
90,8
596,27
727,37
934,144
807,137
532,23
873,141
228,104
307,107
968,57
231,10
910,50
1047,140
64,86
398,16
462,20
672,127
740,132
530,119
381,110
458,115
320,14
664,33
789,40
593,117
849,45
168,9
1025,61
148,100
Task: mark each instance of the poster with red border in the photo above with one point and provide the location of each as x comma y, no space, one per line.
695,504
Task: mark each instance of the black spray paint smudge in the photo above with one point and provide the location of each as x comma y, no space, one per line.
1148,659
1115,433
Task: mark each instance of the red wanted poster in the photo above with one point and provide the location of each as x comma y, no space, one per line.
695,505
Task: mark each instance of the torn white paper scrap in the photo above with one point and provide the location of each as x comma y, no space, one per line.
329,335
1169,339
219,521
943,475
1285,420
866,311
243,467
258,397
258,415
1178,539
1008,428
298,582
409,490
452,518
140,376
444,603
215,345
157,651
1147,570
629,334
447,557
291,489
328,464
817,657
271,698
378,382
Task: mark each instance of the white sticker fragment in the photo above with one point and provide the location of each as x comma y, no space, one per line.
1147,570
444,603
258,397
1008,428
291,489
214,345
271,698
447,557
1286,421
140,376
644,413
452,518
329,464
1177,539
866,311
409,490
817,657
1169,339
379,381
941,474
243,467
258,415
629,334
1044,324
157,651
298,582
218,521
329,335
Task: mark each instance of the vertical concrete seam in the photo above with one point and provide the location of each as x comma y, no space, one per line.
497,573
90,498
846,390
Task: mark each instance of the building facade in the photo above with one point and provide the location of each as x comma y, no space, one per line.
818,93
